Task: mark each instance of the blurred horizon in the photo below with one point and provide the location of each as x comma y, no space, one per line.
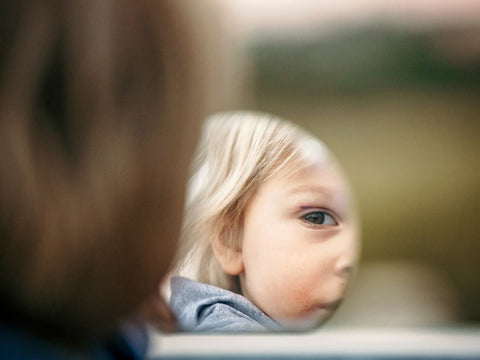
273,20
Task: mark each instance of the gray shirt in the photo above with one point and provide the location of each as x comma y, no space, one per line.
202,307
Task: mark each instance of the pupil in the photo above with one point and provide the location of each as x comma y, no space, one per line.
316,218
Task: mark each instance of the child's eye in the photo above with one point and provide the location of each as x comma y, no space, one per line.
319,218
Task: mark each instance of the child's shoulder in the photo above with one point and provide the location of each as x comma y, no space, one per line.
203,307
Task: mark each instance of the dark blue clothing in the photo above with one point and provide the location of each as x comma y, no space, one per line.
18,343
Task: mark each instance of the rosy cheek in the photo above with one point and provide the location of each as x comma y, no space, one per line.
302,300
307,307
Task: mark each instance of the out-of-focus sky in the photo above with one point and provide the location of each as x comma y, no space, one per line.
253,19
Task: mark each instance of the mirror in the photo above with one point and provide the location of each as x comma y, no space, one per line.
395,100
270,232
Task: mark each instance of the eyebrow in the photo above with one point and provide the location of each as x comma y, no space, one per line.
312,190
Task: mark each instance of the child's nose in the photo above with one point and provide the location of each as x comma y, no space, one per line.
343,267
345,260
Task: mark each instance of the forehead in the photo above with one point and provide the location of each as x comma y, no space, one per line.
321,181
312,166
323,175
313,151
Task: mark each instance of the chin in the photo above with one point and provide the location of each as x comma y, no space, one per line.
308,321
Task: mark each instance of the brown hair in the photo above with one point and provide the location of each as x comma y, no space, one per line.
100,104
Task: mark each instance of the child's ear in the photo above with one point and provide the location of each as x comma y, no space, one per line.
229,257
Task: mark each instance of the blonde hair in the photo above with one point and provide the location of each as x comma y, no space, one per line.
238,152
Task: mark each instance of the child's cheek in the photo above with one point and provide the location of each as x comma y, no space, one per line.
301,299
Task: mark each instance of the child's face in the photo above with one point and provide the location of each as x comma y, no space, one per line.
299,244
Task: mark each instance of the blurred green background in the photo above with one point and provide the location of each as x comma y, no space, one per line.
400,108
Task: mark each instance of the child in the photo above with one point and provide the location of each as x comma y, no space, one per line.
269,230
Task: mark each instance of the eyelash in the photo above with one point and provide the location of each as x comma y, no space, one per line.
325,217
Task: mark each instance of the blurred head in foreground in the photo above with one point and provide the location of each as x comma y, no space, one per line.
100,104
270,216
